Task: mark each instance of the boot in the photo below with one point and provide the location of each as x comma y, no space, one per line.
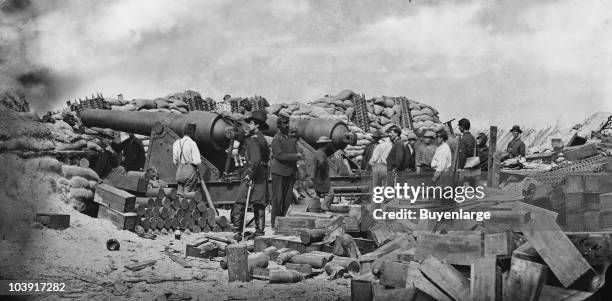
237,218
260,219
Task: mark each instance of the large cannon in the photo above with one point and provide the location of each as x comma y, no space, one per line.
311,129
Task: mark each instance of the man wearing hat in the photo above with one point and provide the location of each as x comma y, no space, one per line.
369,150
285,156
320,178
186,155
378,162
410,152
395,159
255,175
483,151
425,152
516,146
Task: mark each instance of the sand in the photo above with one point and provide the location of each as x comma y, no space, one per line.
78,257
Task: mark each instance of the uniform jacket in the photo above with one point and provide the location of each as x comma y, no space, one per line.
284,155
467,143
255,166
409,157
367,155
395,159
321,172
516,147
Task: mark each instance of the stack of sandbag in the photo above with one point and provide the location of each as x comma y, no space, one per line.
340,104
385,111
303,111
78,183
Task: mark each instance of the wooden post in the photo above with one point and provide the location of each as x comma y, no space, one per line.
525,280
486,280
493,168
237,263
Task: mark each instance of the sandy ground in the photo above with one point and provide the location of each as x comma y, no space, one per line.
78,257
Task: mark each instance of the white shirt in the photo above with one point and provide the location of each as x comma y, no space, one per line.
380,153
442,158
191,153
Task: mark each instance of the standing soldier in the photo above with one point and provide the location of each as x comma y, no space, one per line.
254,185
369,150
186,155
516,146
284,168
321,181
395,159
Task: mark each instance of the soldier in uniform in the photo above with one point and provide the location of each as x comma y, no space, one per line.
255,175
284,168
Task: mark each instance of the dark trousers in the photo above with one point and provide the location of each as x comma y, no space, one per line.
282,195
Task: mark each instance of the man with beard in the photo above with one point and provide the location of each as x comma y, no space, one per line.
255,149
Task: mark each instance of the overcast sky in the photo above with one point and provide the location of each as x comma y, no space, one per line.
497,62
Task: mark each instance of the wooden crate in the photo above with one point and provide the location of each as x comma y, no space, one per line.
124,221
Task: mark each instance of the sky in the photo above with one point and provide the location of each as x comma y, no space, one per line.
495,62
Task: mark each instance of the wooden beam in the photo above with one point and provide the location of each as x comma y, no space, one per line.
237,263
485,280
556,249
415,278
114,198
493,173
393,274
449,279
455,247
525,280
501,243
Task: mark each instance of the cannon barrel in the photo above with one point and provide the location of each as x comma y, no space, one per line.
210,127
311,129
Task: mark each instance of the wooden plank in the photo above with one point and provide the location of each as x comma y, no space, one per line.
140,265
455,247
574,183
493,174
574,202
262,242
393,274
124,221
416,279
53,220
114,198
525,280
295,222
503,219
446,277
605,202
598,183
132,184
485,280
579,152
553,293
397,294
556,249
500,243
237,263
361,287
381,234
365,245
178,260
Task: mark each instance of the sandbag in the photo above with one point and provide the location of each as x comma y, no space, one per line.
71,146
79,182
127,107
371,117
433,110
379,101
161,103
378,109
69,171
428,111
388,112
389,102
80,194
145,104
350,112
375,125
344,95
415,106
355,129
424,118
384,120
93,146
339,102
370,107
275,108
362,136
348,103
305,117
363,142
164,111
358,158
303,111
115,101
330,111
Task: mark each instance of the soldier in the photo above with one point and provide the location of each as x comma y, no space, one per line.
256,151
320,178
395,159
369,150
516,146
284,168
186,155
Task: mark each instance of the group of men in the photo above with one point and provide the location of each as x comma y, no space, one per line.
385,157
431,151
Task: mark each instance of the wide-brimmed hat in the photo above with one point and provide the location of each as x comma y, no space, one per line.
260,118
429,134
516,128
323,139
394,128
